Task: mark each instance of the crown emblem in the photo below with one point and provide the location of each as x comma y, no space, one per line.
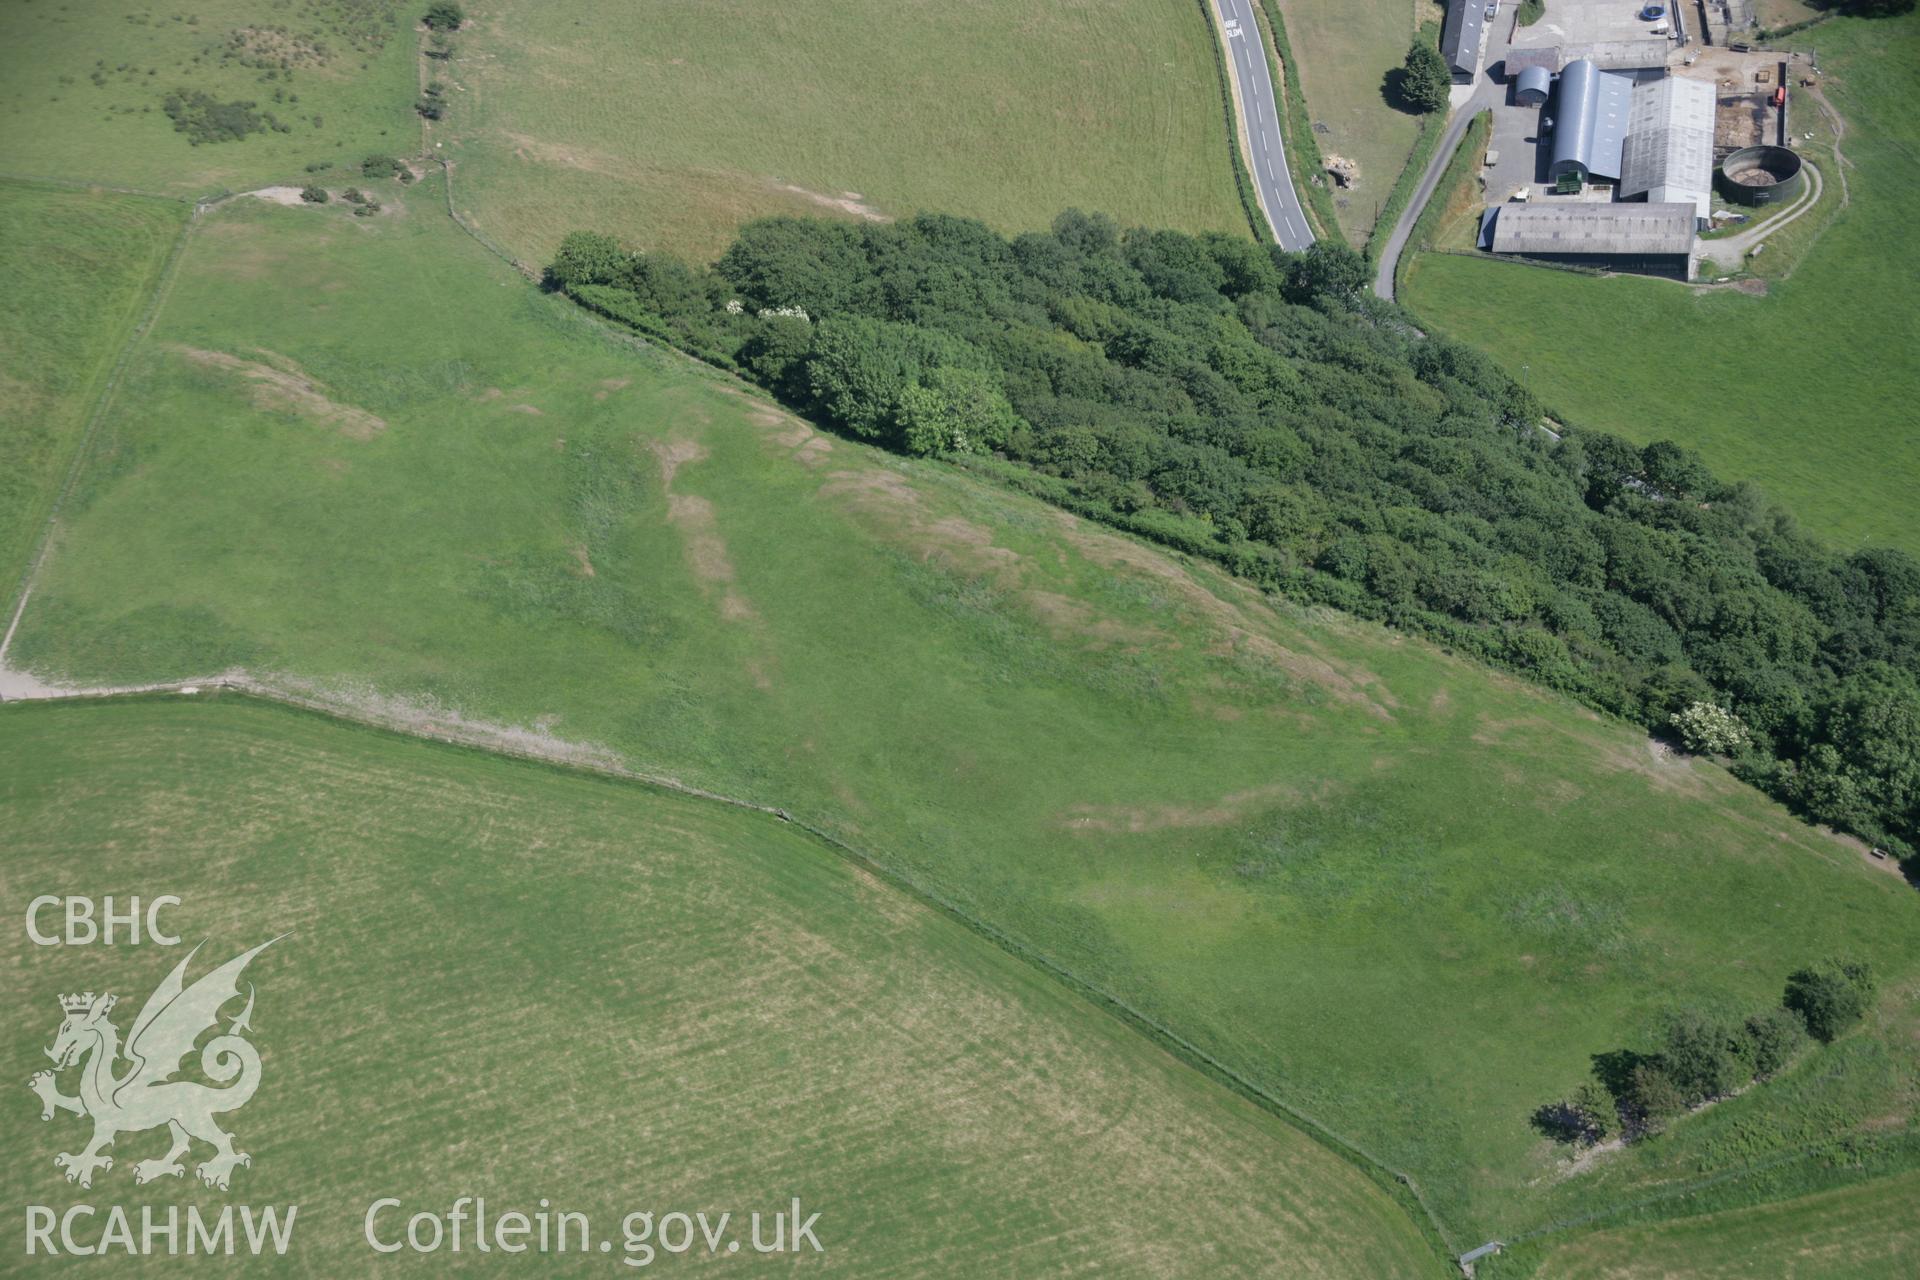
83,1001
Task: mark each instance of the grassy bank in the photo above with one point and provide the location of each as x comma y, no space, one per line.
1458,193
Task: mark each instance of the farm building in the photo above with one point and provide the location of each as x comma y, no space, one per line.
1460,38
1608,55
1546,57
1668,158
1647,239
1590,113
1532,87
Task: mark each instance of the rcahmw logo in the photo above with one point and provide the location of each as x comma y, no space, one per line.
128,1088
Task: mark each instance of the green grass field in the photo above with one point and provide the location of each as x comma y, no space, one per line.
1346,50
80,267
1856,1233
82,88
1399,892
670,124
1808,390
513,981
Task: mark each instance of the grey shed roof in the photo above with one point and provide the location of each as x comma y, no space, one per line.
1590,226
1460,36
1518,60
1534,83
1669,152
1590,120
1623,55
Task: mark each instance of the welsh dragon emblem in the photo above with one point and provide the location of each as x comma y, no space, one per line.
144,1095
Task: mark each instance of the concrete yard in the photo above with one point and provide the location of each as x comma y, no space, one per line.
1590,22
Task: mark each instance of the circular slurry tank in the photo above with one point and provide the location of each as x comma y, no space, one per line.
1760,175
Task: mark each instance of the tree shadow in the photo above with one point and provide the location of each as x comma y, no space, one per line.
1614,1069
1393,91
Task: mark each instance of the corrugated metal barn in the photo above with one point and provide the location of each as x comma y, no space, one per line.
1669,153
1647,239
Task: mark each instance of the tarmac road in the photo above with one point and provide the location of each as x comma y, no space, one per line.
1260,116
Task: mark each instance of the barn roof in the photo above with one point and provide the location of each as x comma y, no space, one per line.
1594,227
1590,119
1669,151
1460,35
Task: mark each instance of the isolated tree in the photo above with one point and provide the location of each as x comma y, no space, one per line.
445,15
379,167
1598,1109
1699,1054
1830,996
1427,81
314,195
1776,1036
1653,1098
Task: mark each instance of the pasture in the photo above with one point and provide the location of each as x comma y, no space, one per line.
1807,390
510,980
84,89
1862,1232
1404,895
1345,50
80,267
670,124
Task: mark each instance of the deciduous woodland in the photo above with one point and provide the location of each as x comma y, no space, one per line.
1259,409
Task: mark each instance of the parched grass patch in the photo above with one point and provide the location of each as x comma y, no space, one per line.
672,124
1807,390
510,981
1397,892
258,89
79,268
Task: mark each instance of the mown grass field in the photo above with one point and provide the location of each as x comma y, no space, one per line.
1346,50
1856,1233
1808,390
80,267
509,980
672,123
1406,896
82,88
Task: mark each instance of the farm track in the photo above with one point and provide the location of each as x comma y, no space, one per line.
162,286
